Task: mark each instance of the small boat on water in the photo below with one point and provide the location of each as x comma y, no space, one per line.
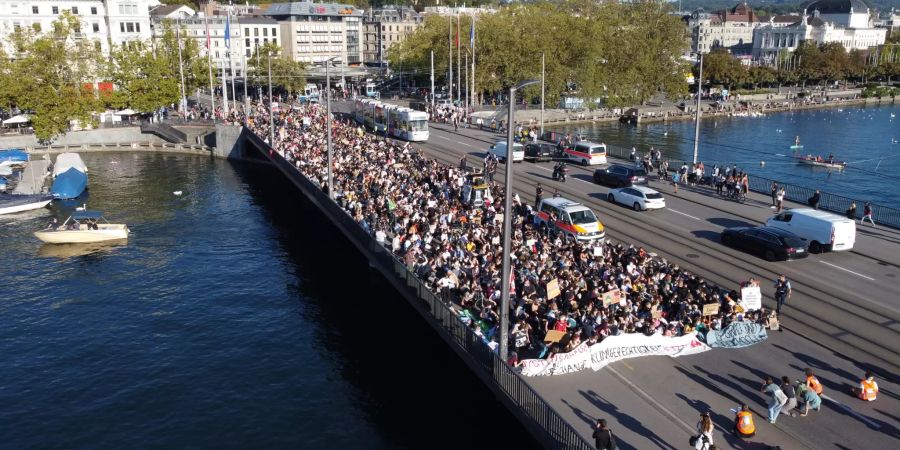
83,227
818,161
70,176
12,203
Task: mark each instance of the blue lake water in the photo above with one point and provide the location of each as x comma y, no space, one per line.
233,318
868,138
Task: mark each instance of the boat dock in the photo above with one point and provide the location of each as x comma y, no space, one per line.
33,177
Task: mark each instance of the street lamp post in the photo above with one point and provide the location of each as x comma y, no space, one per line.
507,222
271,107
697,119
542,95
328,124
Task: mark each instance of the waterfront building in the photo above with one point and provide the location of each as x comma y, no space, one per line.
106,22
458,10
847,22
171,12
384,27
315,32
730,28
247,33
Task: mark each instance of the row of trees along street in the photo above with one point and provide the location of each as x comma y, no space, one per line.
620,53
810,64
51,73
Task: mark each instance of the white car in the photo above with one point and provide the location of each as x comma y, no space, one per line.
499,150
638,197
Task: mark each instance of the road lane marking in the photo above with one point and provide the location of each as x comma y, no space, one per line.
451,140
852,412
684,214
847,270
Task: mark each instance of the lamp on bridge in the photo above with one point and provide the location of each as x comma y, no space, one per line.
328,123
507,221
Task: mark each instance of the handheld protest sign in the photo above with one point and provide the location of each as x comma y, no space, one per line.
553,289
710,309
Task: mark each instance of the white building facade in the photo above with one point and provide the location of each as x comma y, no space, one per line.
730,29
247,33
315,32
106,22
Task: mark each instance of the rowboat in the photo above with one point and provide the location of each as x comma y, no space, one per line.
83,227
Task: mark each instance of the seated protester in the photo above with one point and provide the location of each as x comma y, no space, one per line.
743,423
808,398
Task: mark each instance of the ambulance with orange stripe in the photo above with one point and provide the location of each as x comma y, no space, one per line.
571,218
586,153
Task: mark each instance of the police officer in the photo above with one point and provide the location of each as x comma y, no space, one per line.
538,193
782,292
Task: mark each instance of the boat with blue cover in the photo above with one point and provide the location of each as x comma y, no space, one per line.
13,203
13,155
70,176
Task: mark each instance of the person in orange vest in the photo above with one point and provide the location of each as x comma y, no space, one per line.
812,382
743,423
868,388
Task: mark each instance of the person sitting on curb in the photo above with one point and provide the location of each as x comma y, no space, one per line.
808,397
868,388
743,423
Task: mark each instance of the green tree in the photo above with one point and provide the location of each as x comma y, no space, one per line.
720,67
835,63
809,66
144,79
287,74
762,76
48,75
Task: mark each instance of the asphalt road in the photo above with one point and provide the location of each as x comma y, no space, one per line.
841,320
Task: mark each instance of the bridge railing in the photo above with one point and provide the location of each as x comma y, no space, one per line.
556,431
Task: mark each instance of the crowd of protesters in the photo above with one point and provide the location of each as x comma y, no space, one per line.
412,205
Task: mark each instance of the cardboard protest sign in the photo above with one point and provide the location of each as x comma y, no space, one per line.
552,289
554,336
711,309
613,296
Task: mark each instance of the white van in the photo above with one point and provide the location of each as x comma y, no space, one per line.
572,219
499,150
587,153
824,231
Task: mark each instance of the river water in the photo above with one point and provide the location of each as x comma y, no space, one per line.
868,138
232,318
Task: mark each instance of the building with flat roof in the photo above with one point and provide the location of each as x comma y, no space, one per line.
315,32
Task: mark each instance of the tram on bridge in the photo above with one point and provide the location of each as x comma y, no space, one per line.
400,122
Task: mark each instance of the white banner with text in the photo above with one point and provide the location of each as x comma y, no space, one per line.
612,349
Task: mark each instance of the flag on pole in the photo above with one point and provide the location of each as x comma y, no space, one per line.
208,43
228,32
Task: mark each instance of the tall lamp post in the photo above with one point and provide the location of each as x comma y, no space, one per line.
697,118
328,124
271,108
507,222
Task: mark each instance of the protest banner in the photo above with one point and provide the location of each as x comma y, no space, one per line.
711,309
751,298
612,349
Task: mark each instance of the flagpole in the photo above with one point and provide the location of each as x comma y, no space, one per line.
212,91
450,64
472,39
458,62
432,83
181,68
224,90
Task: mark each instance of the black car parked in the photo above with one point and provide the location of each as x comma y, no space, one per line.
620,176
771,243
538,151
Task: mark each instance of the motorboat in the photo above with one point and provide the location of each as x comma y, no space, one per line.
818,161
13,203
70,176
69,184
83,227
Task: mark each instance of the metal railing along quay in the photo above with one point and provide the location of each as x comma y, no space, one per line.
529,406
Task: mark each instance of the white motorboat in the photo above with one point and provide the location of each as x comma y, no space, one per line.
10,203
83,227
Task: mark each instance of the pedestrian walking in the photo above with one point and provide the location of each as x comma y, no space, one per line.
782,292
538,194
779,200
868,388
705,431
814,200
867,214
776,399
603,437
774,194
791,394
